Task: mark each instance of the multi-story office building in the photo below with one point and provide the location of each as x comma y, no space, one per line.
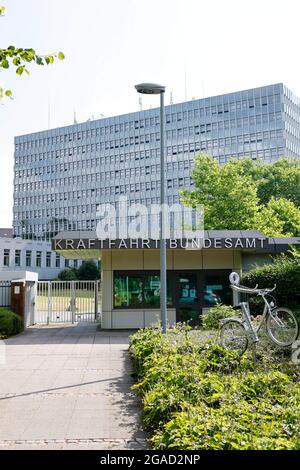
63,174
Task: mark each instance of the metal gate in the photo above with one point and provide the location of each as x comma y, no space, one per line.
68,301
5,293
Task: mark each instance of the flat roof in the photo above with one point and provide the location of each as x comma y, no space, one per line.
85,244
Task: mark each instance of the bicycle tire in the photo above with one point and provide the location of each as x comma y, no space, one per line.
272,328
234,343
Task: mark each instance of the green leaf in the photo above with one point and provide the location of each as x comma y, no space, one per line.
20,70
5,64
61,56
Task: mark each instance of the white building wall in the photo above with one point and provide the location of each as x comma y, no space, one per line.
44,272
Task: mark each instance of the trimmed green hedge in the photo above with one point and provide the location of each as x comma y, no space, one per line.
285,273
200,396
10,322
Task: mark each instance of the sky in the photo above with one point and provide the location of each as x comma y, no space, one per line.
197,48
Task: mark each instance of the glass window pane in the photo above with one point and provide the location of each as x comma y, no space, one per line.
128,291
216,289
188,289
152,291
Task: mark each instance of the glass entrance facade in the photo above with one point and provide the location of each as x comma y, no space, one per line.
189,291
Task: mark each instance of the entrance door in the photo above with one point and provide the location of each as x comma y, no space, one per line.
187,297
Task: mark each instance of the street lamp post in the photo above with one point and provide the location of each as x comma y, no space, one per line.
155,89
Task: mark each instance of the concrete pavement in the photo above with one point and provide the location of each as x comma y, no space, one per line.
68,387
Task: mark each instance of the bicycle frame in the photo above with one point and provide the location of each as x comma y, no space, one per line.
268,310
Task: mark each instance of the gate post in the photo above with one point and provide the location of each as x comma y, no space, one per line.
72,301
96,286
49,302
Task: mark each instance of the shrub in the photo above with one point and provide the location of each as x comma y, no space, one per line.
211,319
244,427
285,273
88,271
204,397
68,274
10,322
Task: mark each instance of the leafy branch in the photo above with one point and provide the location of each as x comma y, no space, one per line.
20,58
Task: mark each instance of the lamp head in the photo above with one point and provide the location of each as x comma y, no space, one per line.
150,88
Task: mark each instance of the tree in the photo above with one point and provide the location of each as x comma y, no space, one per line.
279,216
238,195
68,274
88,271
229,198
19,58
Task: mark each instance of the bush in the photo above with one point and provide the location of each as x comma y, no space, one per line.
68,274
88,271
285,273
211,319
204,397
10,323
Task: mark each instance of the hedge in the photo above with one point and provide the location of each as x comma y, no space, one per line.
10,322
198,397
285,273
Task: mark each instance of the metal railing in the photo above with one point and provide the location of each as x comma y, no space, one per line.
68,301
5,293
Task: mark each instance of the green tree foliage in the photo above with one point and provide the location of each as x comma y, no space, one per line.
246,195
285,273
19,58
88,271
68,274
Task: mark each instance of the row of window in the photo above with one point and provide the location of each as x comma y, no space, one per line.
184,289
104,175
219,109
98,192
41,259
144,154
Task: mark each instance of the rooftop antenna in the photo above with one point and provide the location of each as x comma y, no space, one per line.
141,103
75,119
185,83
49,113
171,98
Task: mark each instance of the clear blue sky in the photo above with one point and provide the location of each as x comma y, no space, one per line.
112,44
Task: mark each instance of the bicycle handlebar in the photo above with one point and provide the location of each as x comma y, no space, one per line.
253,290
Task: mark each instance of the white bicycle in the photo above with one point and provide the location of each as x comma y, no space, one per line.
281,324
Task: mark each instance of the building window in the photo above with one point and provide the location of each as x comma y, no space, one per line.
38,259
139,290
67,263
75,263
216,289
6,257
57,261
28,259
128,291
48,259
18,258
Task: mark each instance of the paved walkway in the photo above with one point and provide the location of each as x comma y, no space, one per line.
68,388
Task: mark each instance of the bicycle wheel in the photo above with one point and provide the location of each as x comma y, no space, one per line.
233,336
282,327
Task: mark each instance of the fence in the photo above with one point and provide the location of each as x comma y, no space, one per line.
68,301
5,293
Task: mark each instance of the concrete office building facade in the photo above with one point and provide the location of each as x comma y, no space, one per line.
63,175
